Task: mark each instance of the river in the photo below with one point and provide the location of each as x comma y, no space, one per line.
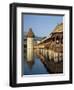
34,67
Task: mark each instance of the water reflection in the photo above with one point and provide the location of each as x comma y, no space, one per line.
30,64
36,67
40,62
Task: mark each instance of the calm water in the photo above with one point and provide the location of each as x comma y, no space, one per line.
33,64
34,67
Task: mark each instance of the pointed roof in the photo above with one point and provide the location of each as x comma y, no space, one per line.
58,28
30,33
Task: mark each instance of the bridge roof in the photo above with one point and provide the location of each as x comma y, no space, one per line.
58,28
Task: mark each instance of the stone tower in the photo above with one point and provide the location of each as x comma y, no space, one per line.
30,45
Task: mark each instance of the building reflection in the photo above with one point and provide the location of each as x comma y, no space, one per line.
30,64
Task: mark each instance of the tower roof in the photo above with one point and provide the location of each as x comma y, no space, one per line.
30,33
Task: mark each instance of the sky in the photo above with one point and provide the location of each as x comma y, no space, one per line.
42,25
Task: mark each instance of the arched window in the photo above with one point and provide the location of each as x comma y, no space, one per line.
62,40
57,39
53,38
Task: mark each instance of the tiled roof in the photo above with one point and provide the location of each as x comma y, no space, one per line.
58,28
